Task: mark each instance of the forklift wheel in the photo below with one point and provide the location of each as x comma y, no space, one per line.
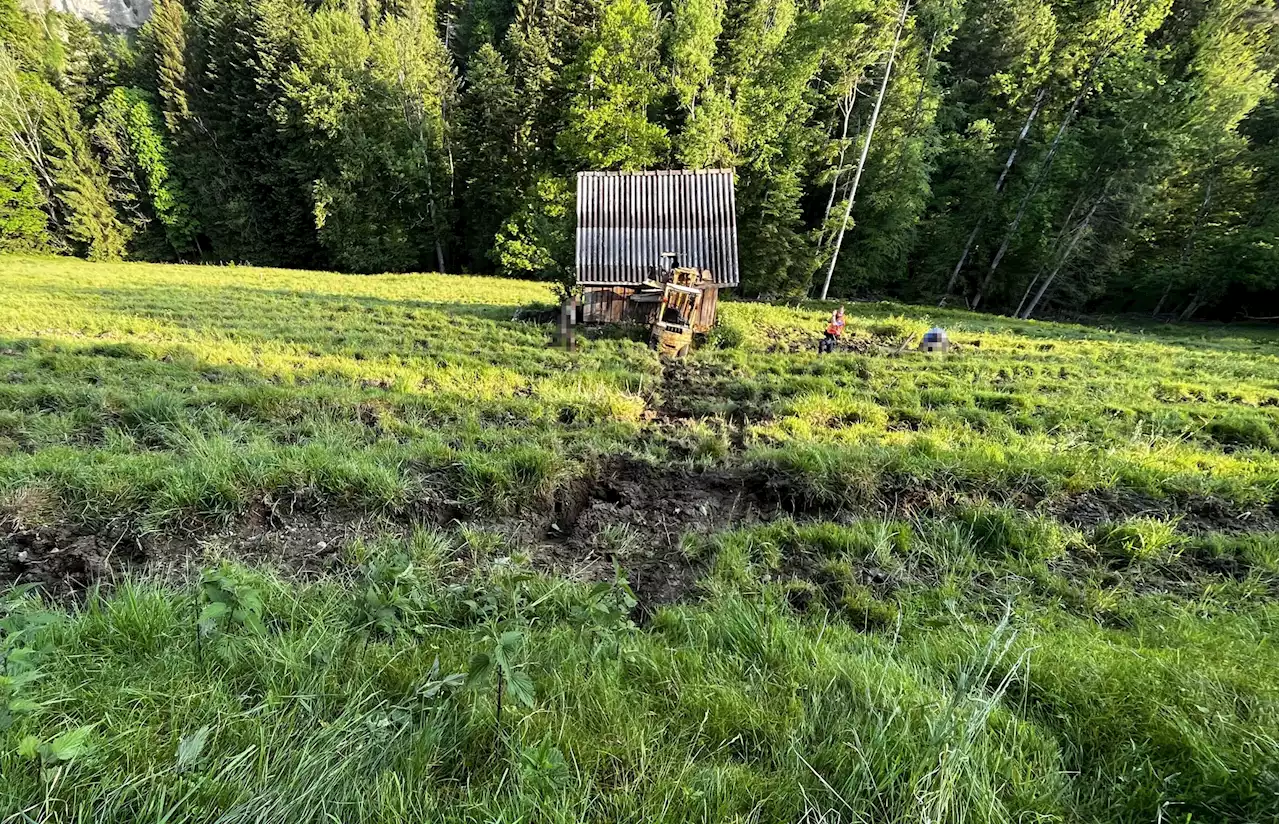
684,351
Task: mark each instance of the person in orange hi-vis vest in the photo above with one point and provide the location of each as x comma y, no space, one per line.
833,332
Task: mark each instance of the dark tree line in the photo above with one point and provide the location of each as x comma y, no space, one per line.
1020,156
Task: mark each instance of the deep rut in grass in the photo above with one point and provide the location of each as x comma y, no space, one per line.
637,516
625,511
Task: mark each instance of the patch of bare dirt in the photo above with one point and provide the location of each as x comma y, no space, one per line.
848,344
1195,514
635,515
690,388
66,559
628,513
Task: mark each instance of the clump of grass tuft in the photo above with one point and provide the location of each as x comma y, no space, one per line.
864,611
503,482
953,708
1243,430
1140,539
897,328
1004,531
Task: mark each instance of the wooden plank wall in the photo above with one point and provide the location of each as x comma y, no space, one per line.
605,304
612,304
706,310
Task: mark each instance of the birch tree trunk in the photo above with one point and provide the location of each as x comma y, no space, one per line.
415,117
866,147
1168,287
1013,154
1080,232
1004,175
1190,243
431,189
1194,306
20,121
1045,165
1057,244
846,106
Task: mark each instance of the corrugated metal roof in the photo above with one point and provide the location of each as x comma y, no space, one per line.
626,220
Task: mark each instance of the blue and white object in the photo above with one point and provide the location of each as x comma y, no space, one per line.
935,340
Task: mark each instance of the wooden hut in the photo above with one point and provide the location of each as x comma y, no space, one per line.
627,220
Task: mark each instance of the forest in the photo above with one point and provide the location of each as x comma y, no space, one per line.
1027,157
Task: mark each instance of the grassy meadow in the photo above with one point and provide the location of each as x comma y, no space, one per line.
297,546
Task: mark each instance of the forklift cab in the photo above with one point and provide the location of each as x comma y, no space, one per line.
672,333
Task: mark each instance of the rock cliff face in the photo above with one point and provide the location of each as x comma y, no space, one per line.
121,15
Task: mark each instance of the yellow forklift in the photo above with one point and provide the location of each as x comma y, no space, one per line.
678,299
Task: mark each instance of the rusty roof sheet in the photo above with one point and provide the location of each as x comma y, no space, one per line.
626,220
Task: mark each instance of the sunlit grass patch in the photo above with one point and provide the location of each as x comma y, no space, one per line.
161,393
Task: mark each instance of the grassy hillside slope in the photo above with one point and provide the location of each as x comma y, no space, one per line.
312,547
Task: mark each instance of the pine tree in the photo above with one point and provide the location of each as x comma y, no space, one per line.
167,36
248,175
488,126
39,131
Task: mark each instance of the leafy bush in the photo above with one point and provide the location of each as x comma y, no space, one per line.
727,334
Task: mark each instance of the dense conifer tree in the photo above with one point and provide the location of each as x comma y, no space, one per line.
1028,156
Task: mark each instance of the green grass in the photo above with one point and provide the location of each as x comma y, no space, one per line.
929,638
172,395
1001,689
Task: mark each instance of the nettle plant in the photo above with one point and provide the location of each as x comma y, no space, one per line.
504,594
391,598
57,753
607,607
498,664
601,612
21,648
227,601
499,604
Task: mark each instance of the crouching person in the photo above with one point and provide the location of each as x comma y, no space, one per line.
834,329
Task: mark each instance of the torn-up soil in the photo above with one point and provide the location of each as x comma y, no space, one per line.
849,344
628,512
636,515
1195,514
853,344
691,389
66,559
